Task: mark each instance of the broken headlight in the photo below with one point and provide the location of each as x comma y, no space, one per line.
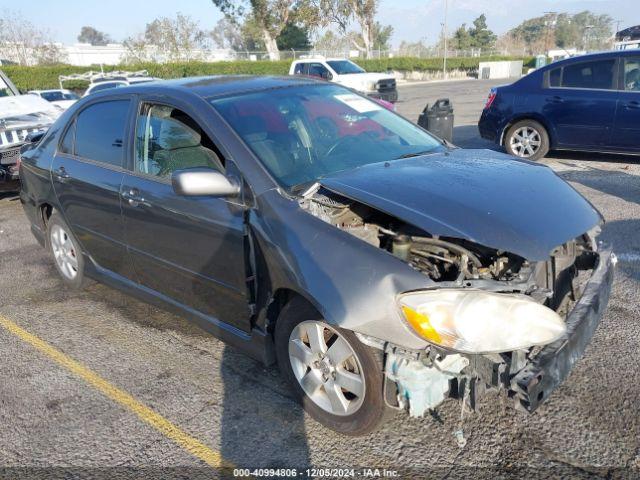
475,321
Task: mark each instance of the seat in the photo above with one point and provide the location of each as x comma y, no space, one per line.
279,161
179,146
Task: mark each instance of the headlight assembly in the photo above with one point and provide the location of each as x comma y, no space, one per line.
475,321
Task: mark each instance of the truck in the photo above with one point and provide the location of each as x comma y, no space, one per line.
22,119
347,73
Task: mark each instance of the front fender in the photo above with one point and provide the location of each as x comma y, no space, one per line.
352,284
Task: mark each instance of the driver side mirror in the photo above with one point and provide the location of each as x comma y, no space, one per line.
327,75
203,182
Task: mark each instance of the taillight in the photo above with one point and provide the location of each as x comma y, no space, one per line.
492,96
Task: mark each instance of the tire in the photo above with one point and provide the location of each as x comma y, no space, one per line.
65,252
342,411
527,139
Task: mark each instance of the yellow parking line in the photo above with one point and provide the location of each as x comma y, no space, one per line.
157,421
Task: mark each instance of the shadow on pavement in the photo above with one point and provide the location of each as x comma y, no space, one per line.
617,183
467,136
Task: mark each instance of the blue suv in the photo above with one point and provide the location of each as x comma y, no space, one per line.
588,103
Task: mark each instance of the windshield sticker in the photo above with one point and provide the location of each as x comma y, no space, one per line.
359,104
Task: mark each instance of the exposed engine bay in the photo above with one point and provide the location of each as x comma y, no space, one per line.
422,380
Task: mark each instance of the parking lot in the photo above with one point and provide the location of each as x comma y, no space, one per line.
98,383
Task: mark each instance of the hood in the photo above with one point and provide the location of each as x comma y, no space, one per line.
482,196
27,109
361,78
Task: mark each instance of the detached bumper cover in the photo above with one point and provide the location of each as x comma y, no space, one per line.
540,376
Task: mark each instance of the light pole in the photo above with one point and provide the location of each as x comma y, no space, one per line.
444,34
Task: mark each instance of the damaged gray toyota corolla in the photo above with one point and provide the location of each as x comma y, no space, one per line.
380,267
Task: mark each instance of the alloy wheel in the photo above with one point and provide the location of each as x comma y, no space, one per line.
64,252
326,367
525,141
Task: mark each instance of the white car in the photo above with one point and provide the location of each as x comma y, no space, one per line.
347,73
108,82
60,97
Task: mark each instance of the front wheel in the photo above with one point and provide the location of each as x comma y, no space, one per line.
336,378
527,139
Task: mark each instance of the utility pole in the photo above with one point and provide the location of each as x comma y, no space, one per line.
444,34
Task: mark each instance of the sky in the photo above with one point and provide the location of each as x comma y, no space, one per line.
412,20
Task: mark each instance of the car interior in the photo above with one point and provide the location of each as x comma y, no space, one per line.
168,139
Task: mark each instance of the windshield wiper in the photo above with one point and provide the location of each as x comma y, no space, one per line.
414,154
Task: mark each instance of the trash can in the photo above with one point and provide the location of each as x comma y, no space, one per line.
438,119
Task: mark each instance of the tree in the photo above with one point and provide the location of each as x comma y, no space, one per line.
461,39
481,36
381,36
174,39
23,43
584,30
341,13
293,37
93,36
270,17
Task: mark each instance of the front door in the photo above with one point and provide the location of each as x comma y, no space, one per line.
580,103
190,249
626,133
87,171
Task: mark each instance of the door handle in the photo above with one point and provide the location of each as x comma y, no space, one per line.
554,99
133,197
633,105
61,174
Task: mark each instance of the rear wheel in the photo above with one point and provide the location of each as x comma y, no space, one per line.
66,252
527,139
336,378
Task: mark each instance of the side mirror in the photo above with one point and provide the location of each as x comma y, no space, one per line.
327,75
203,181
35,137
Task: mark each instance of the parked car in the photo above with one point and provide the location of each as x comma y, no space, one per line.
60,97
20,117
99,81
308,225
347,73
588,103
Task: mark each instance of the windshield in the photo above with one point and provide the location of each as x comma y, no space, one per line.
57,95
303,133
343,67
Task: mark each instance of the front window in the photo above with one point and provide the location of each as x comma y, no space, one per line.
632,74
304,133
168,139
344,67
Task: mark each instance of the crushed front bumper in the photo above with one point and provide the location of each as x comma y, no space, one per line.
542,374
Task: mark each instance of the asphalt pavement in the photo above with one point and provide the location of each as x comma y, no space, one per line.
97,384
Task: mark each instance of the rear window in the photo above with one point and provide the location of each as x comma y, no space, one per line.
594,75
100,132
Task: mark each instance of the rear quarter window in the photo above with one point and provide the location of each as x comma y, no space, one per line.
554,77
100,130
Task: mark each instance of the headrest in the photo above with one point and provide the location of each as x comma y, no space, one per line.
253,128
174,134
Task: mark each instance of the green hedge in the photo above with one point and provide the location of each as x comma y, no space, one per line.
41,77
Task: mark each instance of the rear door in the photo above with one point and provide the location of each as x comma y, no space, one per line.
580,103
190,249
626,132
87,171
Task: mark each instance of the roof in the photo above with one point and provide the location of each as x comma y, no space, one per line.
222,85
592,56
